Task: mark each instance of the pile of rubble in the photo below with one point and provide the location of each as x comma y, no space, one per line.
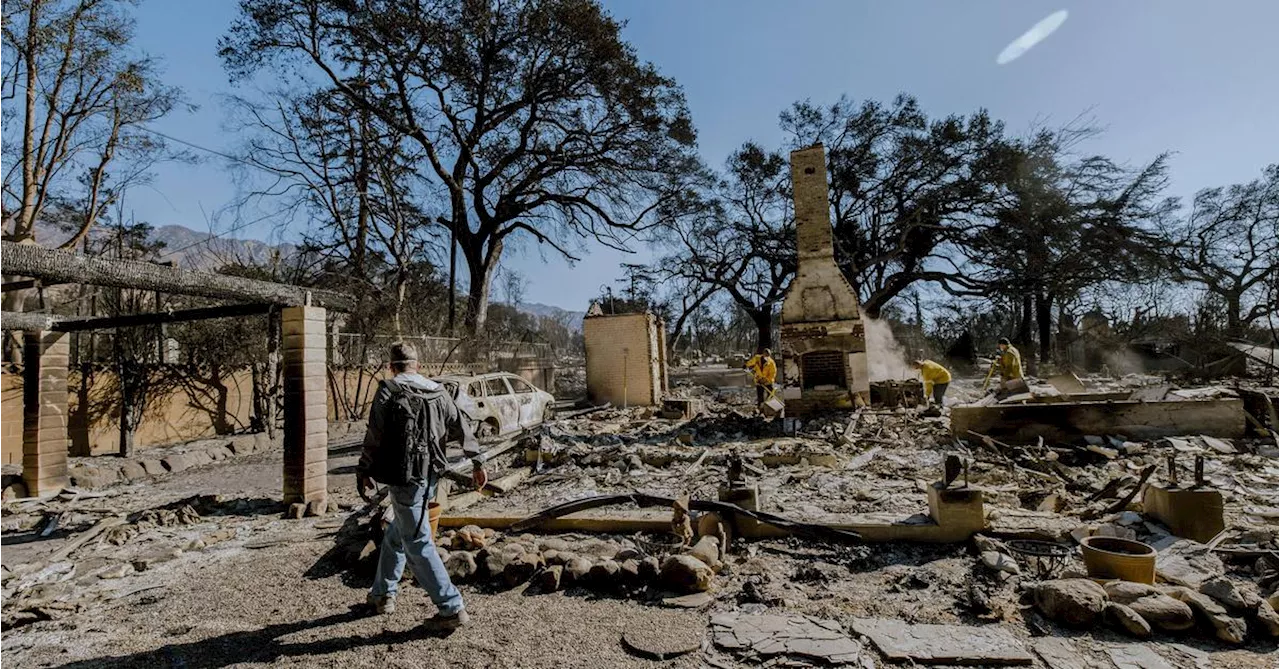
775,591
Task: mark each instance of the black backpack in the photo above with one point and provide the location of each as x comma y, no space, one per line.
405,454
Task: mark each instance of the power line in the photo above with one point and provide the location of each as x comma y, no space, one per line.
194,145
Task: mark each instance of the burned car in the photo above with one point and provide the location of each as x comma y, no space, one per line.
499,403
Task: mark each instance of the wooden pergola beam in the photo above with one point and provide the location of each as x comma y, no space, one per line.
50,265
31,321
35,321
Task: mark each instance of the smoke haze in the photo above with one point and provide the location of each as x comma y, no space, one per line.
886,358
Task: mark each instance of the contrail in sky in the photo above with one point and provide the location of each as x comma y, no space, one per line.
1032,37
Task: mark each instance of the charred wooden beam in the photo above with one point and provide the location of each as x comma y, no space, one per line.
180,316
27,284
50,265
32,321
24,321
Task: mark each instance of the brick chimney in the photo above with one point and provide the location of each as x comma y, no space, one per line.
824,347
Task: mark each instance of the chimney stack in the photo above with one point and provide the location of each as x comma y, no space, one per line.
824,347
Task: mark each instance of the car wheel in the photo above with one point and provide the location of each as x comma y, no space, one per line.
487,430
548,414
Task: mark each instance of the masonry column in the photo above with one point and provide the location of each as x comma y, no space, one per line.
44,411
306,441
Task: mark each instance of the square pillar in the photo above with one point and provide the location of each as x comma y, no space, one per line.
306,424
44,411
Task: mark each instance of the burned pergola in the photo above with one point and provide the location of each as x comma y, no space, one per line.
47,354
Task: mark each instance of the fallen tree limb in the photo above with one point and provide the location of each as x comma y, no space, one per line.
642,500
1120,505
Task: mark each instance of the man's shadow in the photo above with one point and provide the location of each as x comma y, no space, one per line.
262,645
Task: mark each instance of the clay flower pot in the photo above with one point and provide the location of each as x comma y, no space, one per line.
1111,558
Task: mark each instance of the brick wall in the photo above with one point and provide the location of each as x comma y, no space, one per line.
11,436
624,350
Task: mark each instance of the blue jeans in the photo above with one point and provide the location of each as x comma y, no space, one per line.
403,541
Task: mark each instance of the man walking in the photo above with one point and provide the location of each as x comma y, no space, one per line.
765,371
410,421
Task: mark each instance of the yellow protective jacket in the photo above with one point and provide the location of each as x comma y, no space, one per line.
763,368
933,374
1010,364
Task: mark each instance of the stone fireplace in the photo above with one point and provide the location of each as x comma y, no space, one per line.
824,348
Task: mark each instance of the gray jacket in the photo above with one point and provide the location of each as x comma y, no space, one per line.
447,423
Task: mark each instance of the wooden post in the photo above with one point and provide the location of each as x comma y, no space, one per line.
44,412
306,424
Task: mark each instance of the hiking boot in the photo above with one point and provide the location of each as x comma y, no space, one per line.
442,623
382,604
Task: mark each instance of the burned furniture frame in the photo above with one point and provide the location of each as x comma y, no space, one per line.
47,351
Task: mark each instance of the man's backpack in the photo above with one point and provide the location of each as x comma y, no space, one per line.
405,453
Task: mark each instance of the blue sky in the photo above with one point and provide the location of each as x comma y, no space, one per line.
1198,78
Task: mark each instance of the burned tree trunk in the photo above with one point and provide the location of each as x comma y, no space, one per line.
1044,323
764,328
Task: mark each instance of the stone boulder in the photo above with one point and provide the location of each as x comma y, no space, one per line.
685,573
649,568
1074,602
1124,619
521,567
548,579
999,562
176,462
1212,616
708,551
470,537
604,575
94,477
14,488
1164,612
576,570
461,566
554,544
1225,592
1267,619
1127,592
131,470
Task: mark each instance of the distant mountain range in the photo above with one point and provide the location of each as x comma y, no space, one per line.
571,319
186,247
201,250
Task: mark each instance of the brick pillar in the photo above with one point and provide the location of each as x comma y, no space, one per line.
44,411
306,440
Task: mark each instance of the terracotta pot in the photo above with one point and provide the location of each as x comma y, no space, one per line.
434,511
1111,558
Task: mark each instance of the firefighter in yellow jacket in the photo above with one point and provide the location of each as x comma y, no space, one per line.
1010,361
936,378
765,371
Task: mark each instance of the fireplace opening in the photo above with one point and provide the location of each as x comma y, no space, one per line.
822,370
